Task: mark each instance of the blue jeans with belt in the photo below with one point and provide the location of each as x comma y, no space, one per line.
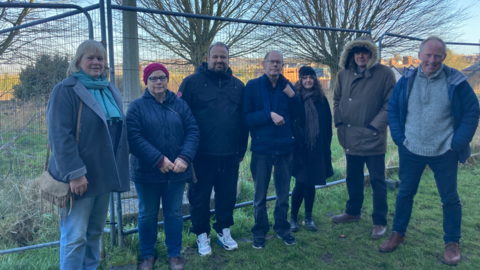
149,195
445,168
80,233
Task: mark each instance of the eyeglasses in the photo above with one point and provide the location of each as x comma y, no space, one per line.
155,79
274,62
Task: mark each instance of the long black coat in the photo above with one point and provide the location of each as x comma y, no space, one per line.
160,130
316,164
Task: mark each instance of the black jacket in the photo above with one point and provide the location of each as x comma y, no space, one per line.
160,130
314,166
216,101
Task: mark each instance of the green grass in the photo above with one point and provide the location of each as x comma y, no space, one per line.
324,249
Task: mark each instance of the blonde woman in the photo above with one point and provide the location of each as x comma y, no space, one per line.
98,163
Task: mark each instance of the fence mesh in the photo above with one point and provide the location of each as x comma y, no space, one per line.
183,57
36,62
29,72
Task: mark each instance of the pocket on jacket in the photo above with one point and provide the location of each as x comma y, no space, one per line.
206,105
236,101
374,141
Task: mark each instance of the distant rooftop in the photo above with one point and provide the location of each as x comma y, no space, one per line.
472,67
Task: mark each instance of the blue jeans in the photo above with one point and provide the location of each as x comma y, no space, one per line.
81,231
261,167
149,205
445,169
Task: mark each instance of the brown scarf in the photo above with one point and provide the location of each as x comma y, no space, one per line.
311,117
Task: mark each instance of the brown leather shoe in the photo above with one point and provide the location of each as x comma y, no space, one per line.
391,243
452,253
176,263
378,231
146,264
345,218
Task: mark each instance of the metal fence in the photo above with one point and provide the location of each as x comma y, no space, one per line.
49,44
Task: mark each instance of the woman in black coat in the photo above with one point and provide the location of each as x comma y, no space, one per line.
163,137
313,162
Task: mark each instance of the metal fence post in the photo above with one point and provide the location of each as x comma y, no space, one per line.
119,220
131,59
112,220
110,41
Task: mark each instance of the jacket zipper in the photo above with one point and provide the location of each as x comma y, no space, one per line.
220,83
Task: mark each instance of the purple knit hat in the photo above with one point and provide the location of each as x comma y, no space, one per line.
154,67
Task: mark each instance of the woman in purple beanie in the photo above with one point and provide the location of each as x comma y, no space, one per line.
163,138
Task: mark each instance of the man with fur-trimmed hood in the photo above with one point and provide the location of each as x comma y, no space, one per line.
362,91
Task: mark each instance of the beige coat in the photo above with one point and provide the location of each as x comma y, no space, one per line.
361,101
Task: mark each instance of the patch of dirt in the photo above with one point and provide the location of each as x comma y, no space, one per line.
331,214
217,262
327,258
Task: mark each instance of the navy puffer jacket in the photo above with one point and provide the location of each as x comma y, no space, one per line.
156,130
464,109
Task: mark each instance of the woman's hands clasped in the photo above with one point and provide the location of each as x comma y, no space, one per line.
177,167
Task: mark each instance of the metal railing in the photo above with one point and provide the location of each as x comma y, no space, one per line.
414,38
53,18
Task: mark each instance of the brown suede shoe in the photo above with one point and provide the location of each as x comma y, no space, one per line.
345,218
146,264
378,231
452,253
391,243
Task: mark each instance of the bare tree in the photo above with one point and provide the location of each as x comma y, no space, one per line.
190,38
405,17
10,19
18,47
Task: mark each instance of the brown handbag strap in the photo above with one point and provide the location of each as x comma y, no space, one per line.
77,136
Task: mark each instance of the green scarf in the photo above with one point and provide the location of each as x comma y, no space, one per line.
98,87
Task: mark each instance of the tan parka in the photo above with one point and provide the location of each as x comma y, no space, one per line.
361,102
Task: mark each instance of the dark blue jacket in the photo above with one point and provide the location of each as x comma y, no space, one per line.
464,109
268,138
156,130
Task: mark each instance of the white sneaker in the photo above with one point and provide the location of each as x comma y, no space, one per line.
203,242
226,241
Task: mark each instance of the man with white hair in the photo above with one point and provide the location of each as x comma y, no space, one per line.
269,104
433,114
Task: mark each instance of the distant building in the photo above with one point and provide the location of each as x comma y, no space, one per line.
407,60
392,62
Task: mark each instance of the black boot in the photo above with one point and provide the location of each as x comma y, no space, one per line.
294,227
309,222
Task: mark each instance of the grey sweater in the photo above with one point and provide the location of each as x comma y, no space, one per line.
429,125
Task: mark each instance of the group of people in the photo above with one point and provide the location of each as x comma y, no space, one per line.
200,136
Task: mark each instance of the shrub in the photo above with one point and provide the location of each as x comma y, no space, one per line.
37,80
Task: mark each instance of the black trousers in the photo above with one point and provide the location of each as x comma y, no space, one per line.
300,192
221,173
355,184
261,167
